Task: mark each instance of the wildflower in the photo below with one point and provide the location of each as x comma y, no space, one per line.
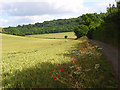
72,61
62,70
58,64
76,60
91,53
76,72
97,66
88,53
87,69
57,69
80,54
64,64
77,53
54,77
71,66
99,48
58,76
96,46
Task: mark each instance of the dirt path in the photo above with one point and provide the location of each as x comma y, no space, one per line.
112,56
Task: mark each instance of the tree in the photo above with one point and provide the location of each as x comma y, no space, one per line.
55,26
66,37
14,31
81,30
90,32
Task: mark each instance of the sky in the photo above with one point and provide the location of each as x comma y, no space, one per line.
19,12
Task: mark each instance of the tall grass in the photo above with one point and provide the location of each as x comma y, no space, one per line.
53,63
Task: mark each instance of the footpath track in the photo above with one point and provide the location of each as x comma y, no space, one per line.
113,57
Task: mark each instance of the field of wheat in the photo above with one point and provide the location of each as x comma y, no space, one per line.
39,62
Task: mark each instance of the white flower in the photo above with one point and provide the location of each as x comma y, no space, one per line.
71,66
99,48
97,66
76,72
89,53
87,69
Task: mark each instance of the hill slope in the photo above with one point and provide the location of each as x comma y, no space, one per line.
54,26
53,63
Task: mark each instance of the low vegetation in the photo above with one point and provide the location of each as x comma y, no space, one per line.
53,63
87,68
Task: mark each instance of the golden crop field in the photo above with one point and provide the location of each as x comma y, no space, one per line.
55,35
30,62
21,53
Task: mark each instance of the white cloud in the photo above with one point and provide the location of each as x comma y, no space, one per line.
20,20
46,7
2,21
99,5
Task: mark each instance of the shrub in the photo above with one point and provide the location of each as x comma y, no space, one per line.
66,37
81,30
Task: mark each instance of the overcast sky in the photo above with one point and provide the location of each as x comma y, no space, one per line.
19,12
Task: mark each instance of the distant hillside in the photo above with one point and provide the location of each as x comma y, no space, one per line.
54,26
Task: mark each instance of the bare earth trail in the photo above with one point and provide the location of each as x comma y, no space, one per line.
112,55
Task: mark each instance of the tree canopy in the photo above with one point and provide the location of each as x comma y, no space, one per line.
54,26
87,24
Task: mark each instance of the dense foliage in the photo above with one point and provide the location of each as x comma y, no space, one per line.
108,31
81,30
87,24
103,27
54,26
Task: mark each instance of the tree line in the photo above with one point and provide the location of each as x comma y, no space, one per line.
87,24
54,26
103,27
108,30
